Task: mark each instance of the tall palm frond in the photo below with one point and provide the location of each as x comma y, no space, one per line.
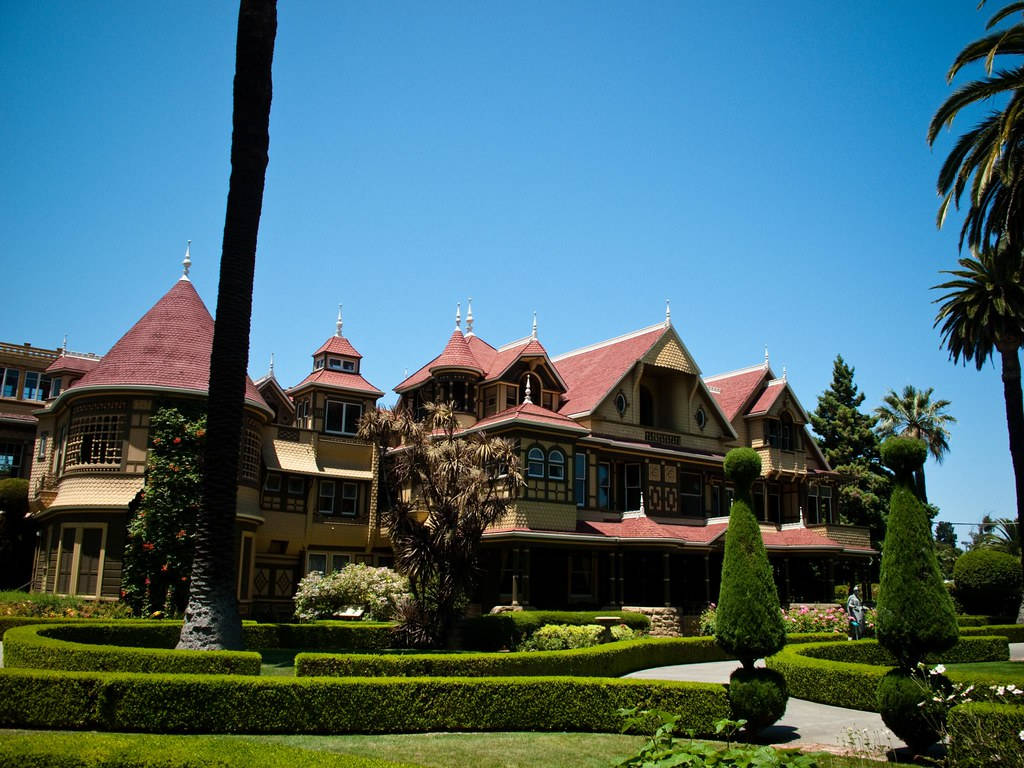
913,413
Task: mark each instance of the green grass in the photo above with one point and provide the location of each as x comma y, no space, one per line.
996,672
427,750
279,662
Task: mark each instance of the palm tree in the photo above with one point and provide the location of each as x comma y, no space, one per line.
987,158
914,414
982,314
211,618
1002,534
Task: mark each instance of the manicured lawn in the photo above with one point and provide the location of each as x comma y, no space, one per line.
997,672
429,750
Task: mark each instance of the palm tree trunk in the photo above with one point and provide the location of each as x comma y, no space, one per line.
211,619
1015,426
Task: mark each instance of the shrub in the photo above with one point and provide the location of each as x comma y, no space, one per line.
749,622
608,660
757,696
378,591
238,704
560,637
915,615
507,630
706,622
907,706
801,620
988,581
43,605
984,734
145,649
102,750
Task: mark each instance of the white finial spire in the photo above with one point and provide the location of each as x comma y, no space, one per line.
765,355
642,510
668,313
469,316
784,374
526,399
187,261
64,347
338,326
533,332
271,364
458,316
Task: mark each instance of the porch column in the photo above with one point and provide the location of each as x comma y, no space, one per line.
785,569
707,577
611,579
515,576
666,568
831,581
622,581
524,582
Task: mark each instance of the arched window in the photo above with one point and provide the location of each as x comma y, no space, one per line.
646,407
556,465
535,463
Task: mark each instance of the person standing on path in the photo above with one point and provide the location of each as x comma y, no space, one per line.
855,614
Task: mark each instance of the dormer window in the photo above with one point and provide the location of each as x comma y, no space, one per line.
341,364
318,364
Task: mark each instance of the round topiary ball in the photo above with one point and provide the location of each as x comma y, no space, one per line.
741,466
988,582
904,455
899,702
757,696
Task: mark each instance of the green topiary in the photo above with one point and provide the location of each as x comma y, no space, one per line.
915,613
749,623
988,581
757,696
908,709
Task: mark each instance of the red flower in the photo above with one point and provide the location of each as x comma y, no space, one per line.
177,441
156,441
147,581
200,432
184,578
164,567
149,546
181,534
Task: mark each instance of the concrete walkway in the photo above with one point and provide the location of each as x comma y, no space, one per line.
805,724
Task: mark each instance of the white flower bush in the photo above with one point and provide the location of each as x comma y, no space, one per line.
378,591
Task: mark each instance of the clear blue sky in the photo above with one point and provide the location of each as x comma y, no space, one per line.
762,165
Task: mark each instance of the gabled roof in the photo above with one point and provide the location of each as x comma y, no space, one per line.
73,364
732,390
269,382
338,345
590,373
528,414
168,348
352,382
771,393
505,357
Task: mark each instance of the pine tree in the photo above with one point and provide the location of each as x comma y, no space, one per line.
162,530
847,438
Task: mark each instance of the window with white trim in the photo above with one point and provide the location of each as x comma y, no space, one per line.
9,382
326,496
10,459
579,478
96,436
604,479
249,456
44,438
633,489
691,500
342,417
349,500
535,462
556,464
327,562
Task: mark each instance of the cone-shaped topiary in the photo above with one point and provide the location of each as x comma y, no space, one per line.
748,623
915,613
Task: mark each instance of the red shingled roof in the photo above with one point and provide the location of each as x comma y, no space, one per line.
456,354
735,388
528,413
338,345
169,347
590,373
767,398
339,380
72,364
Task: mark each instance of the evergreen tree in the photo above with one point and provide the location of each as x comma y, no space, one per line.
162,530
749,620
915,613
847,438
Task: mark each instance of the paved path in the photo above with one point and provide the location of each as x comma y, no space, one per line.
805,722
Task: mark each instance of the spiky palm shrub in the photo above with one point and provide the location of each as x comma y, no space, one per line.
749,621
915,612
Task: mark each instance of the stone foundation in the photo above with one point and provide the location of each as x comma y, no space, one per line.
666,622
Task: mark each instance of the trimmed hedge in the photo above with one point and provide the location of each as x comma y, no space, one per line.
847,674
982,621
1014,633
105,750
342,635
608,660
237,704
495,631
88,647
983,734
